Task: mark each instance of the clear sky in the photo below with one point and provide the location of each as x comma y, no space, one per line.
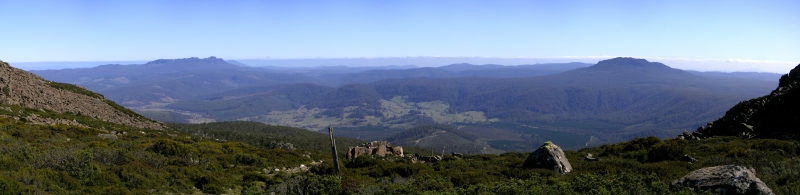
733,31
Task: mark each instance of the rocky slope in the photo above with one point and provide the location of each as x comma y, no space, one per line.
776,115
18,87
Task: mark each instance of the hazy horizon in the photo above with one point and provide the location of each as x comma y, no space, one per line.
421,61
692,35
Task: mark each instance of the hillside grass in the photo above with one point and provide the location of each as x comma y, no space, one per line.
62,159
83,91
640,166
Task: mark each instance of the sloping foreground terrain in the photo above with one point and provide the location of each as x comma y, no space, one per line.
21,88
62,139
101,157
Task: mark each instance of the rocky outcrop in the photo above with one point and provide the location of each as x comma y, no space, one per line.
688,136
18,87
374,148
548,156
426,159
727,179
38,120
776,115
281,145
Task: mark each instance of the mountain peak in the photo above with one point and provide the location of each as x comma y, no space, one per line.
628,62
192,60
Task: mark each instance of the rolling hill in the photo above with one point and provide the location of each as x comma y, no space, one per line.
441,137
166,81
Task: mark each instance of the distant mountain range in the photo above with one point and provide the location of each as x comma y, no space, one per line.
613,100
167,81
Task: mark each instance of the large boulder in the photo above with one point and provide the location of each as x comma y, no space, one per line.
727,179
548,156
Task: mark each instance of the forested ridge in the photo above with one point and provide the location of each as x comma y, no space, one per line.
637,96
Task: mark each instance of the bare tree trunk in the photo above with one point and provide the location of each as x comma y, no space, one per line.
335,155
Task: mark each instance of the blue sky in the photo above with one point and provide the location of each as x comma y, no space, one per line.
758,32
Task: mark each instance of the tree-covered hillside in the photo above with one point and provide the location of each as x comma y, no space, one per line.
615,100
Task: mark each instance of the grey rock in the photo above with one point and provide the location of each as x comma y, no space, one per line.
374,148
106,136
726,179
548,156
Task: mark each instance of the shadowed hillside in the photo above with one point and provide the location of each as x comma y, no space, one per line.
776,115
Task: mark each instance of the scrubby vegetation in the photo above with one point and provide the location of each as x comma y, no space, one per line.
641,166
266,136
83,91
62,159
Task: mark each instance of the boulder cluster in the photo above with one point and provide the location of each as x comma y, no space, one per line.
18,87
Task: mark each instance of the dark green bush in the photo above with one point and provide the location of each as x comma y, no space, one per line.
248,159
362,161
672,149
168,147
9,187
